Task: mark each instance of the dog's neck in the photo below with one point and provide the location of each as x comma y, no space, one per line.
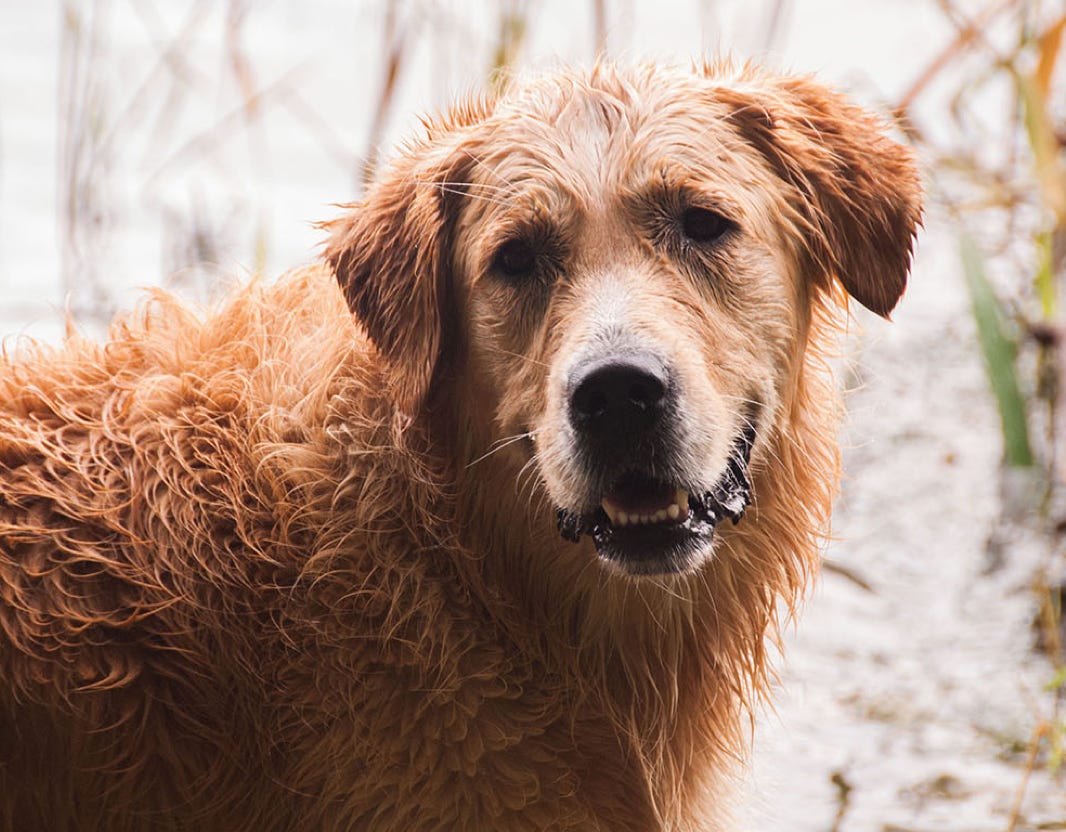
660,661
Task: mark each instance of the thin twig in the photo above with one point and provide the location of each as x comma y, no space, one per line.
847,572
396,37
599,27
222,129
965,37
1034,748
844,789
775,25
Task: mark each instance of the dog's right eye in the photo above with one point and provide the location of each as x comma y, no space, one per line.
515,259
704,226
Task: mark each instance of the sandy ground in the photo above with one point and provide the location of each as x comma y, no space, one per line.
918,694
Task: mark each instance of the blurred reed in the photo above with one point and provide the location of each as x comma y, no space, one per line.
1004,184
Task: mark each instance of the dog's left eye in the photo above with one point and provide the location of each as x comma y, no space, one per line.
515,258
701,225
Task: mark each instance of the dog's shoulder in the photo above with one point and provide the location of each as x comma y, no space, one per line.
182,430
267,348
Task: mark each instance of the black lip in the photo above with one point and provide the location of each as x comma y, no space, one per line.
664,548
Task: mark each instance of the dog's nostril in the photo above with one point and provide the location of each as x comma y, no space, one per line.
593,403
618,396
647,392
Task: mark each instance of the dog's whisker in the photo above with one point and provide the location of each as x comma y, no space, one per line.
464,189
463,192
481,163
531,473
501,194
459,183
500,444
741,399
525,358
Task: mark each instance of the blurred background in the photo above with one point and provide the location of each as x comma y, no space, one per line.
193,143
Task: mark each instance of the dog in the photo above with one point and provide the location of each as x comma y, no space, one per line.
482,522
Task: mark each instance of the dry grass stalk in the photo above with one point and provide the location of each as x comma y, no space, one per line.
1025,184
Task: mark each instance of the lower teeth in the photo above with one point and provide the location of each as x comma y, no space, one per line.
620,518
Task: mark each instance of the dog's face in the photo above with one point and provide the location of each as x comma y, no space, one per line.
629,262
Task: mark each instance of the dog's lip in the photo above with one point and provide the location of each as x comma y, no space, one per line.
700,513
665,546
655,548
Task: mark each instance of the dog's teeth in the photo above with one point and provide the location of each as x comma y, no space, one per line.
670,512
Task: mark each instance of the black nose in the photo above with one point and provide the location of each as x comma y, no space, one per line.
618,399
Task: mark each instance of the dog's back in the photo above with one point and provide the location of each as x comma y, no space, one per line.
156,493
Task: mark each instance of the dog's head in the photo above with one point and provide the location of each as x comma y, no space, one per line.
624,264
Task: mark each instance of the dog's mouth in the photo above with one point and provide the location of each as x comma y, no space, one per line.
648,526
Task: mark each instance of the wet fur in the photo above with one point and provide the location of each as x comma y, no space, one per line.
258,573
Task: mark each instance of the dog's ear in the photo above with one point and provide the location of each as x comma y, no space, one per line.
856,192
391,256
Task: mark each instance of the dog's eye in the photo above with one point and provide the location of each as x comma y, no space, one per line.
702,225
515,258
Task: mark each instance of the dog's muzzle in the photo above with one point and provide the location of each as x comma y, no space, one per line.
622,411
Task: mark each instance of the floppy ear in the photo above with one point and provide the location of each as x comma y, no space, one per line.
857,193
391,256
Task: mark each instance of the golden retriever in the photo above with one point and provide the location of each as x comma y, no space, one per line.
459,560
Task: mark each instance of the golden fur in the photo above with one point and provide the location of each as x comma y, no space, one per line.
282,567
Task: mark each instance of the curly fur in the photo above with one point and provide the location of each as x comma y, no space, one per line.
249,579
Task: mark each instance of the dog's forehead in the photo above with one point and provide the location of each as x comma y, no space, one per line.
602,135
